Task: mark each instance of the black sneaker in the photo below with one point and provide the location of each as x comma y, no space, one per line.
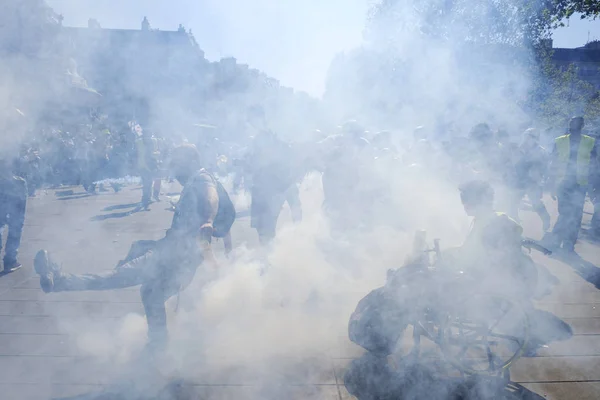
46,269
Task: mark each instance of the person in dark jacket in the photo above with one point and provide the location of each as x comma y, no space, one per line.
13,203
161,267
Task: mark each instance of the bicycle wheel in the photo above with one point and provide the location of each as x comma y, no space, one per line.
484,334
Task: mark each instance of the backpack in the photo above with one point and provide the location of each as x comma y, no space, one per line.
225,214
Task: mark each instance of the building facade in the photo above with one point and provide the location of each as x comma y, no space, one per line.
586,59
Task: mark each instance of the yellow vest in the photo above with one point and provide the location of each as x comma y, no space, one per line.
584,155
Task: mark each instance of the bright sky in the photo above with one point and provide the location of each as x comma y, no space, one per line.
291,40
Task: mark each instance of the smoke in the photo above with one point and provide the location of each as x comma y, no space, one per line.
262,317
272,311
431,63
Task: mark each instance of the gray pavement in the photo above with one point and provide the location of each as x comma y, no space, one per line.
40,359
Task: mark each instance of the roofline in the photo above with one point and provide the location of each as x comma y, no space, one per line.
85,28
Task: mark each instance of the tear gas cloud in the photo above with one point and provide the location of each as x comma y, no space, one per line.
246,315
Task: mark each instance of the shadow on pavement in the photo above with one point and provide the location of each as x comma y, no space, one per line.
176,390
121,206
584,268
123,214
587,236
372,378
69,192
76,196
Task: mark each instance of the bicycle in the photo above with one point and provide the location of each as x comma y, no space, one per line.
478,333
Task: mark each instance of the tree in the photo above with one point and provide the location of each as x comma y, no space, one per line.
459,59
588,9
514,22
561,94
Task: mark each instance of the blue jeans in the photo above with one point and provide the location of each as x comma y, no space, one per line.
12,214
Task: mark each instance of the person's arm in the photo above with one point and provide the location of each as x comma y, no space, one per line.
196,212
552,170
503,235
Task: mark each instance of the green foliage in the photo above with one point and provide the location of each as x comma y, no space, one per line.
514,22
561,9
514,29
561,94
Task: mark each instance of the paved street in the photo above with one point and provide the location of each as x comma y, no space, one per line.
42,358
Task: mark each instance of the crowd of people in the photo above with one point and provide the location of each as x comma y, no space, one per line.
359,170
83,156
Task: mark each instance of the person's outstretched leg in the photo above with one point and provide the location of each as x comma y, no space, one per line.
132,273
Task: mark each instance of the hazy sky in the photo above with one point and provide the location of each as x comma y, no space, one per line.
291,40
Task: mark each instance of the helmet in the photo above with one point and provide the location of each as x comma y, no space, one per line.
352,127
476,191
532,133
576,123
480,132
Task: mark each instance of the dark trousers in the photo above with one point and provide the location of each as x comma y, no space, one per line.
266,207
595,223
571,199
534,193
161,268
12,214
147,181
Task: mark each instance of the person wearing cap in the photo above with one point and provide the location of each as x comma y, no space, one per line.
162,267
493,242
485,151
272,175
346,157
383,143
530,171
147,165
13,203
573,165
274,181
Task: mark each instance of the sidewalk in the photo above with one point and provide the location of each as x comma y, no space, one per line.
40,360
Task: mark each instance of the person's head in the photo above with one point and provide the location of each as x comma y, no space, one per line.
502,136
481,134
531,138
185,161
352,129
419,133
382,139
576,125
477,197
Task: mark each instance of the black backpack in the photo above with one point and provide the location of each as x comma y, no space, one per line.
225,214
